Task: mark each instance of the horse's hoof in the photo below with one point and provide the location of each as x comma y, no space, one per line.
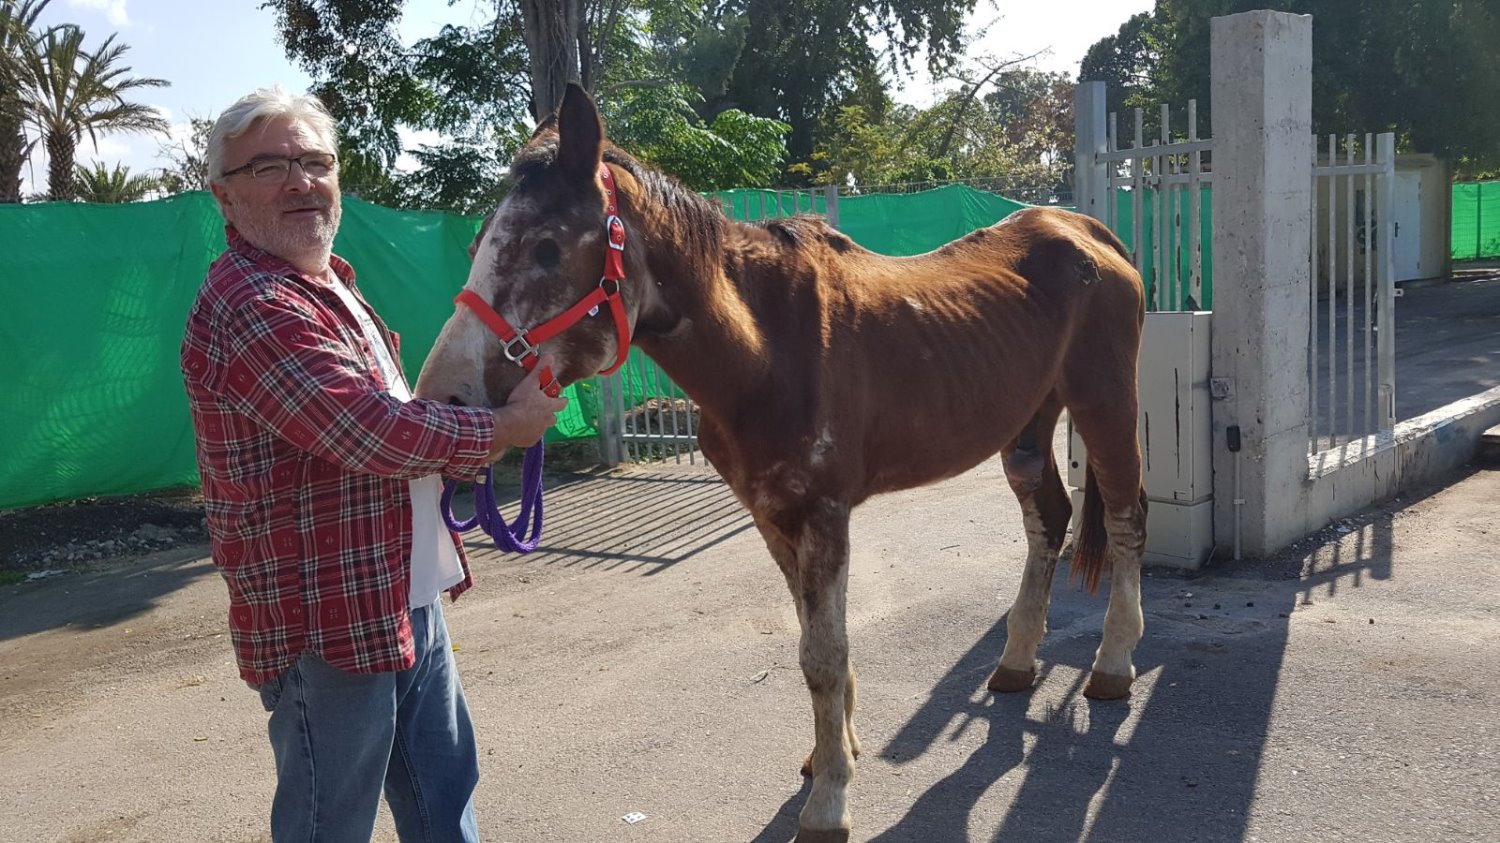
1008,680
1107,686
832,835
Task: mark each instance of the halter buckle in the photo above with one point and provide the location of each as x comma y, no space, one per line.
526,349
613,226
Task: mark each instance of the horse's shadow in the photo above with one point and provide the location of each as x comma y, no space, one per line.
1176,762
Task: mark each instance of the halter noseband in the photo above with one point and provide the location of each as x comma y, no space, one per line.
520,347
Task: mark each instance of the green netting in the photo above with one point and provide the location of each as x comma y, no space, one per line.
95,298
1176,278
1476,221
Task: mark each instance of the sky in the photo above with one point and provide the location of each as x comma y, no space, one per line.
214,51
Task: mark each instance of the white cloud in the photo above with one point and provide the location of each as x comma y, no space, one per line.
114,10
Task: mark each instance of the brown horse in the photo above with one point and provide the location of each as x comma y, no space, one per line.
825,374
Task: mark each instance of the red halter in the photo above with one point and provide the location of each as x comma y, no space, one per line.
521,346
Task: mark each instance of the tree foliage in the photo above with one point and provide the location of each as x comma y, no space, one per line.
1015,134
112,185
69,92
660,126
18,21
1428,70
703,88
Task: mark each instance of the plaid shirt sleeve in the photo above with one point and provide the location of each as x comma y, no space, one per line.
294,375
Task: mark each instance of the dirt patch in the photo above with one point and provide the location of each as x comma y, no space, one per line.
38,542
70,536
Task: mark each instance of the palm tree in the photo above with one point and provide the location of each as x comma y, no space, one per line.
70,92
17,19
112,186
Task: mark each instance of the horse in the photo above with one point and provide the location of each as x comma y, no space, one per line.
824,374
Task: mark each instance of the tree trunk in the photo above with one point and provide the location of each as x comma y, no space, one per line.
12,159
551,29
60,184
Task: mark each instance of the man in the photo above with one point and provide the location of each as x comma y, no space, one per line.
320,483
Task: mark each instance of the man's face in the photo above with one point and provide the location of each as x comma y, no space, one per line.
294,218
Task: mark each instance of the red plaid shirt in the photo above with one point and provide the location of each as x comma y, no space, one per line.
305,461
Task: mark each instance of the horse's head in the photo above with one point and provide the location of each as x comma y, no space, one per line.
538,256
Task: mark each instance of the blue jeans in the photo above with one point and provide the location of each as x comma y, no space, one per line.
340,737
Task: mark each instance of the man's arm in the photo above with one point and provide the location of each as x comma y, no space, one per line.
293,375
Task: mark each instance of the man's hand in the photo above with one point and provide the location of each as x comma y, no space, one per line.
527,413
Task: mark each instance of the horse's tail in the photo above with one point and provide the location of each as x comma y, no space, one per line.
1091,544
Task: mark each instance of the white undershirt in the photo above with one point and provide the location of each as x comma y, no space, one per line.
434,562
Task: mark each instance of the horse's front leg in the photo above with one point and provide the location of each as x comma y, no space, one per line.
814,556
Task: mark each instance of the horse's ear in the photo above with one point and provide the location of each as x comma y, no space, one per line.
581,135
547,125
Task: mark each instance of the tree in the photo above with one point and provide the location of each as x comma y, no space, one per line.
660,126
104,185
187,159
801,61
69,92
1125,62
1016,139
17,37
1428,70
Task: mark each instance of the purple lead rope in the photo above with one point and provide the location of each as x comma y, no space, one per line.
487,516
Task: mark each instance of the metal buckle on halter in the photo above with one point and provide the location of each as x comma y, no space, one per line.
610,286
611,224
518,340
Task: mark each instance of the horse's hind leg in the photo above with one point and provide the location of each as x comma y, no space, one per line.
1031,469
1113,531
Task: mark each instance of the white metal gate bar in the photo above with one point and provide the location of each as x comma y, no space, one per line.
1156,174
1339,410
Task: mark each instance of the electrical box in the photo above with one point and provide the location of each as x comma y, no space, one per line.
1176,434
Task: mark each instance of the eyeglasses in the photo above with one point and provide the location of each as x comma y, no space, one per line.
274,170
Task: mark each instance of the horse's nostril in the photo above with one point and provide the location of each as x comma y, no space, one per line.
456,401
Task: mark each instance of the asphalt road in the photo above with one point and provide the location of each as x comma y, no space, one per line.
646,662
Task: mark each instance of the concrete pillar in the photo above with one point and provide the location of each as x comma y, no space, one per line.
1261,65
1090,139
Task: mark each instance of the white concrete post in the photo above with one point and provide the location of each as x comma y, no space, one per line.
1090,139
1261,65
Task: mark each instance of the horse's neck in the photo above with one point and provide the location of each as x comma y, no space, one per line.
718,349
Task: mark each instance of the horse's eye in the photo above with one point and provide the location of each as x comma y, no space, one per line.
547,254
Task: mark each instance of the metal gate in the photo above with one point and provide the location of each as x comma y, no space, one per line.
1351,292
1155,193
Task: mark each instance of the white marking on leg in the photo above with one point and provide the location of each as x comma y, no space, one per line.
1027,624
824,655
1123,622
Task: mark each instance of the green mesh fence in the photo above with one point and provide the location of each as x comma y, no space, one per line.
1476,221
1174,279
95,298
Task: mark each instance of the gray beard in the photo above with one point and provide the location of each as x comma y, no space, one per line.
306,247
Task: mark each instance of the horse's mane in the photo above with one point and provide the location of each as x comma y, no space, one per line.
694,222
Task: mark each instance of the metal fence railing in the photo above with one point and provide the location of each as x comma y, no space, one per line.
1351,291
